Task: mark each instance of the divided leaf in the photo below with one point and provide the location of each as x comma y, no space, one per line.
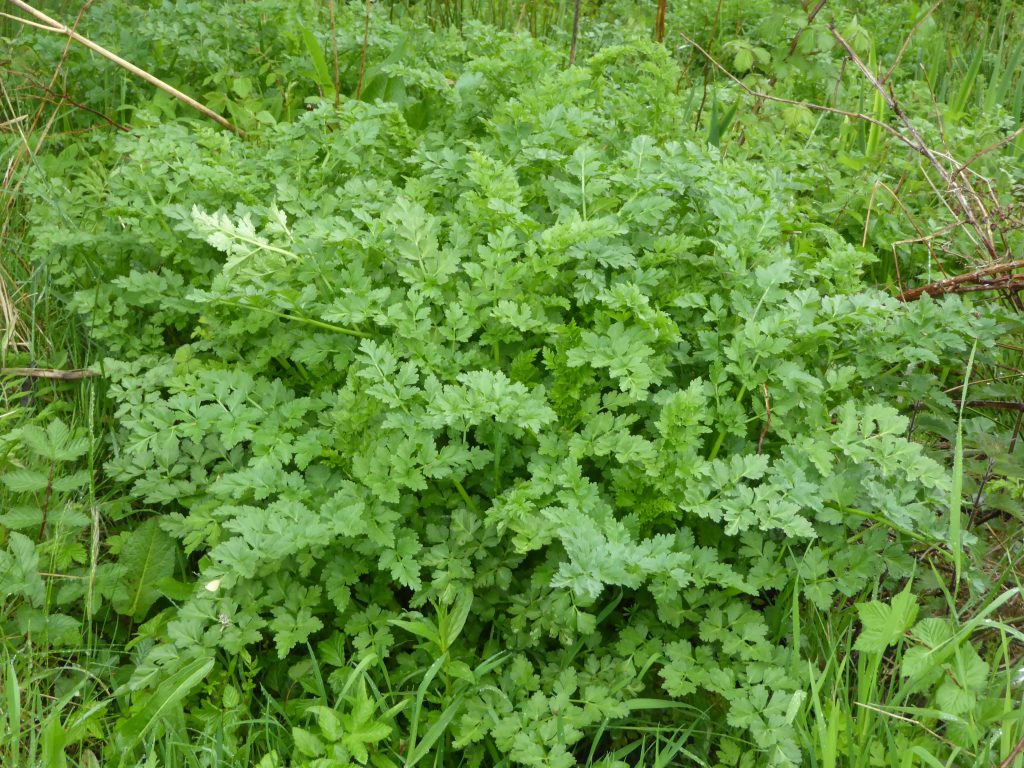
884,624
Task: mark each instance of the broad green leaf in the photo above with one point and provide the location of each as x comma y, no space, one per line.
146,559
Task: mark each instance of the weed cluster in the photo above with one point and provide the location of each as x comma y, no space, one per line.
464,408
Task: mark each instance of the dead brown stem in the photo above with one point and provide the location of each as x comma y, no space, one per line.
60,98
49,373
810,20
950,284
575,33
52,25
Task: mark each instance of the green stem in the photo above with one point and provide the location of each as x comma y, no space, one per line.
721,432
465,496
717,446
886,522
499,442
298,319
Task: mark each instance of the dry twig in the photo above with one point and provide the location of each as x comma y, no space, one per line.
959,282
49,373
52,25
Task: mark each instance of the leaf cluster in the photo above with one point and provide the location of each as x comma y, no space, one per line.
493,377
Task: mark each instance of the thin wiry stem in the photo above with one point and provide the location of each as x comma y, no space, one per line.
334,53
362,58
52,25
794,102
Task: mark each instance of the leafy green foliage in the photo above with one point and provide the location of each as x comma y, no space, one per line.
321,374
146,558
941,680
487,411
49,521
883,625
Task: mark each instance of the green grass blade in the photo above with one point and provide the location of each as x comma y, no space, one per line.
421,693
13,696
967,86
319,61
434,733
55,738
168,693
956,491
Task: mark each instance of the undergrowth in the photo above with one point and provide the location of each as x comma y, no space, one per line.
509,414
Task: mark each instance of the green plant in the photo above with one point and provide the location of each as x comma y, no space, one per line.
916,691
497,419
57,514
54,521
516,365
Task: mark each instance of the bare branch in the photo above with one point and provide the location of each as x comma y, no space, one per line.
970,281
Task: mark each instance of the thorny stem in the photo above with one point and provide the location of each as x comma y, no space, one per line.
947,286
